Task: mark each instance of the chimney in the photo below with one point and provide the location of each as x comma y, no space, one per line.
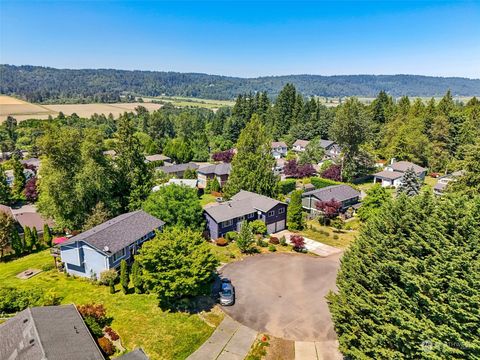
392,161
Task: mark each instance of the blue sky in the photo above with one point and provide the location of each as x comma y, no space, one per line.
246,38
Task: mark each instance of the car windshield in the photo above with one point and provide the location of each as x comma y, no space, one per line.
227,292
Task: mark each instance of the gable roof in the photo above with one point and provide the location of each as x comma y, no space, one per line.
403,166
136,354
276,144
338,192
169,169
390,175
119,232
301,143
157,157
49,332
217,169
326,143
243,203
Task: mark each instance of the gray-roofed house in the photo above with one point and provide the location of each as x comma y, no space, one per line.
300,145
220,171
279,149
392,175
136,354
331,148
348,196
158,158
245,206
177,170
104,246
33,162
47,333
442,182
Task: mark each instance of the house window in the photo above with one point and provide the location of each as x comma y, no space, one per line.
271,213
281,211
227,223
251,216
118,255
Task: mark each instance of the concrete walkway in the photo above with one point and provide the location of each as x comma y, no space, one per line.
313,246
324,350
230,341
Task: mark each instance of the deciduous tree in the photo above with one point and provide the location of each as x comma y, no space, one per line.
245,241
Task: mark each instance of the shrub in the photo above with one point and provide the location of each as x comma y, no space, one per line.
221,242
335,237
94,327
298,242
319,182
274,240
258,227
108,275
13,300
95,311
287,186
51,298
337,223
272,248
283,241
106,346
262,243
113,335
47,267
231,235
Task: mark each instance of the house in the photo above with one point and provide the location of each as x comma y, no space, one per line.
443,181
104,246
393,173
177,170
346,195
110,153
279,149
191,183
207,173
11,177
158,158
47,333
331,148
27,216
300,145
279,165
245,206
31,163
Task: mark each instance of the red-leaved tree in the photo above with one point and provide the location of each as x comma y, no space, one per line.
30,191
298,242
329,208
334,172
225,156
293,169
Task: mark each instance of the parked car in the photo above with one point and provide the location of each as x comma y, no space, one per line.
227,293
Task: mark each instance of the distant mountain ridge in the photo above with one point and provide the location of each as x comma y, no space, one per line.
41,84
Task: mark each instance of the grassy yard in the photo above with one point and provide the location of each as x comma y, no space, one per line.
231,252
207,199
137,318
330,236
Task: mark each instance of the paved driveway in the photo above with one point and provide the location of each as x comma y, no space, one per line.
284,295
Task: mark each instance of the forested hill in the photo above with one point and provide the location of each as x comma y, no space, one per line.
42,84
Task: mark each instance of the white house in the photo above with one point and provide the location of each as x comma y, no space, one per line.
300,145
392,175
279,149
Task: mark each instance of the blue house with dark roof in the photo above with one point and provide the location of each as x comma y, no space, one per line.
106,245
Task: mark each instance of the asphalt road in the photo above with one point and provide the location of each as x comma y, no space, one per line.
284,295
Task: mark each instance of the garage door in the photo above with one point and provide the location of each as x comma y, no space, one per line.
276,227
271,228
280,225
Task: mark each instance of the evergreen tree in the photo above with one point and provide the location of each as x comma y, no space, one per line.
134,177
47,235
7,227
5,190
19,177
372,203
252,165
245,241
410,184
408,287
28,239
124,278
295,219
469,183
137,277
111,284
35,241
17,243
284,110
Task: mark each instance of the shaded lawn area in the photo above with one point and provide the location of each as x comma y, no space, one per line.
136,317
329,236
207,199
231,252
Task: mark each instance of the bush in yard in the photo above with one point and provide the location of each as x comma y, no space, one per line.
334,172
95,311
262,243
258,227
283,241
231,235
287,186
47,235
113,335
245,238
298,242
335,237
337,223
93,325
272,248
14,300
111,284
221,242
124,278
319,182
274,240
177,264
107,276
295,220
47,267
106,345
329,208
137,277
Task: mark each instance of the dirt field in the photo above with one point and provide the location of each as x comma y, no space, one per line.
22,110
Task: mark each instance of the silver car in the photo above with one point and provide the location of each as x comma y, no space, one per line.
227,293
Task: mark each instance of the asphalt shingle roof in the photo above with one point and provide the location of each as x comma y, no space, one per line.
169,169
136,354
157,157
302,143
337,192
243,203
276,144
49,332
403,166
217,169
326,143
119,232
391,175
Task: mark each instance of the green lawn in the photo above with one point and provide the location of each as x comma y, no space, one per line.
195,102
207,199
231,252
137,318
330,236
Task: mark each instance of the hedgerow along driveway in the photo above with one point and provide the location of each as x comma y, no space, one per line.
284,295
